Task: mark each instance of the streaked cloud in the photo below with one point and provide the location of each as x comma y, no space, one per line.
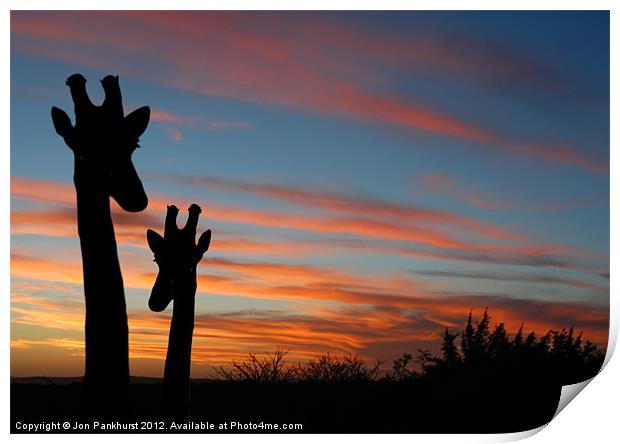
222,336
366,206
196,122
320,73
442,183
535,278
384,222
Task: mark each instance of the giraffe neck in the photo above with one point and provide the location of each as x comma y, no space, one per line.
95,227
106,374
179,355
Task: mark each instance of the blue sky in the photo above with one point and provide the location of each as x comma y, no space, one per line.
453,160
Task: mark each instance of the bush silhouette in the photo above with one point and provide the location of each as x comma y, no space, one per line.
334,369
270,369
557,354
490,354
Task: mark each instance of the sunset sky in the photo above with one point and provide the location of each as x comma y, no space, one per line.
369,177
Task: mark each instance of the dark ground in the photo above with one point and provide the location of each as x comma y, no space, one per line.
490,383
432,405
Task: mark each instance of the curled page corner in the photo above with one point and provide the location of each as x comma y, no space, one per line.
518,436
569,392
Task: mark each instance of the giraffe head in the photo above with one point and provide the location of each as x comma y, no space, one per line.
177,254
103,140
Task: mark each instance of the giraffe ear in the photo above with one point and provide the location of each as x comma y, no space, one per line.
61,121
204,242
137,121
155,241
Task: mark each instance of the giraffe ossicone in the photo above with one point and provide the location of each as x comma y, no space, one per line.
103,140
177,254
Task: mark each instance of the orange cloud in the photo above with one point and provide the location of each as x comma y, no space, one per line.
44,191
35,190
375,331
45,270
366,206
336,310
379,220
281,282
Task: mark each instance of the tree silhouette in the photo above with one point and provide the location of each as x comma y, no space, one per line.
450,351
557,355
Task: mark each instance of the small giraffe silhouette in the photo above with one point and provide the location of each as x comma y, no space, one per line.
177,255
103,140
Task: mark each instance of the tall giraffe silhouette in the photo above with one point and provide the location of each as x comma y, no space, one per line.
177,255
103,140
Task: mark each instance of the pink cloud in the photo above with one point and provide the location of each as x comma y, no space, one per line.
244,57
175,136
365,220
440,182
159,115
